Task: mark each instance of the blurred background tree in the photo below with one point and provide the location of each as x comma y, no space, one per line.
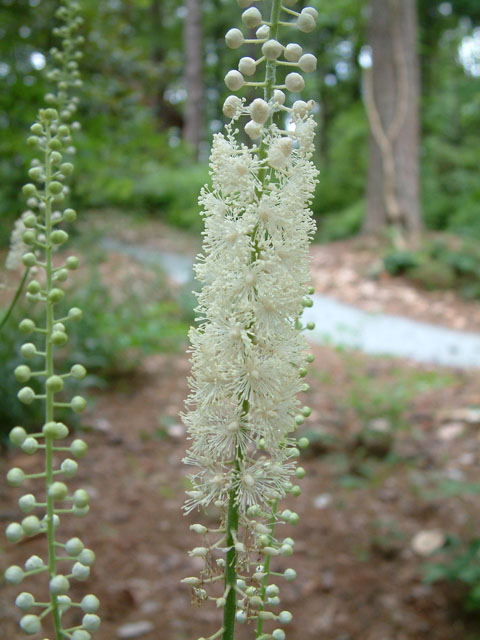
144,56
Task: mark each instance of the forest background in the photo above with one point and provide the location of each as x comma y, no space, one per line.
143,150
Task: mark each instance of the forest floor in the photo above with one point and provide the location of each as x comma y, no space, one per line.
392,445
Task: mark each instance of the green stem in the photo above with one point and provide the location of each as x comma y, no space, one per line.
266,569
49,400
230,608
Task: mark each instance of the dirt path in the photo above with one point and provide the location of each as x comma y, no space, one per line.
358,579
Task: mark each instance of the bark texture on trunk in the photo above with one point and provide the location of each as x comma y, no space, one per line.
391,91
193,41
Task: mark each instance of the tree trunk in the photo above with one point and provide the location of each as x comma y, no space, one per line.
192,131
391,92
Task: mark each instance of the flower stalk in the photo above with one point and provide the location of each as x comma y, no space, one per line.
42,236
249,356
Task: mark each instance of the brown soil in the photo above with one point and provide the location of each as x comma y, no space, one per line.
359,577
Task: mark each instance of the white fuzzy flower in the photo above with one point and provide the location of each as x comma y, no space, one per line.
17,245
246,352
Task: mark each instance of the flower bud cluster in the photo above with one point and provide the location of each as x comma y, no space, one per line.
281,56
41,235
249,357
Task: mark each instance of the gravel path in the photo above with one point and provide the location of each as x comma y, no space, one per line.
342,324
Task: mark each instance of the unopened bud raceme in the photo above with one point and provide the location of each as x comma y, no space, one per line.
248,355
39,228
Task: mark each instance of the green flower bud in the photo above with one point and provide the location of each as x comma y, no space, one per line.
61,275
294,518
59,326
30,221
15,477
69,467
302,372
74,547
78,404
35,173
27,503
80,498
266,615
14,532
63,131
26,395
31,525
67,169
278,634
80,571
17,435
56,295
286,550
59,236
36,129
289,574
264,540
59,338
29,446
34,562
64,603
310,326
55,145
299,420
284,617
59,585
91,622
58,491
80,512
34,287
90,604
31,624
78,448
50,114
310,357
29,190
254,511
22,373
78,372
72,264
272,590
55,430
25,601
14,575
81,634
29,259
241,617
307,302
87,557
28,350
55,157
69,215
199,528
303,443
33,141
300,472
29,237
54,384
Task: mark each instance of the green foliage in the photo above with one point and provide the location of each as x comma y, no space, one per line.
446,263
461,563
119,329
109,340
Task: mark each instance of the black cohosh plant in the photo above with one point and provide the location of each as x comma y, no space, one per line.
249,356
37,236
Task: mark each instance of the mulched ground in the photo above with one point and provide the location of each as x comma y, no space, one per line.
359,577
